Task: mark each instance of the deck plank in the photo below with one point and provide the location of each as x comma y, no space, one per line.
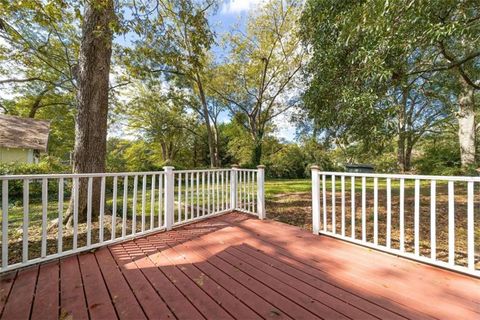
280,254
281,303
99,302
204,303
46,303
152,304
343,250
319,296
238,289
124,300
72,296
178,303
6,284
221,296
19,303
339,293
287,291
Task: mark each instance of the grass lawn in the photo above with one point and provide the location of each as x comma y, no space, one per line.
276,187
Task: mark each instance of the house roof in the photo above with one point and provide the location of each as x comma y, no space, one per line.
23,133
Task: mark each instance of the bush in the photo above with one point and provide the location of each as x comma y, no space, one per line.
288,163
439,157
47,165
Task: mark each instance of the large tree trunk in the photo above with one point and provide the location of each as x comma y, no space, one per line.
466,126
92,98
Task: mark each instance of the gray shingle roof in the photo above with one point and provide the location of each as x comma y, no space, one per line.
24,133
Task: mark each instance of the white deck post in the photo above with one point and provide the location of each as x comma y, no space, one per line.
169,197
315,199
233,187
261,191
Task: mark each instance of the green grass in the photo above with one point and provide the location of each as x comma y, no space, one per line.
276,187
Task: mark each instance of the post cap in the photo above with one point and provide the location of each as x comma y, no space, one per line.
168,168
315,167
261,166
235,166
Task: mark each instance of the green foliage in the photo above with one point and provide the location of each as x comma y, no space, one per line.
289,162
440,156
263,63
388,71
47,165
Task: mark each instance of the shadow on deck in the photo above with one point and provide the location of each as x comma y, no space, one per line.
235,266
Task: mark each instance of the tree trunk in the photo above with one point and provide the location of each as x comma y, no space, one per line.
92,99
466,126
408,155
257,152
216,144
206,116
401,152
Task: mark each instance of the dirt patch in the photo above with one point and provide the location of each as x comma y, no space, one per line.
295,209
291,208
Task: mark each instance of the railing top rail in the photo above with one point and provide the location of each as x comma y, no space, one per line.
77,175
202,170
400,176
107,174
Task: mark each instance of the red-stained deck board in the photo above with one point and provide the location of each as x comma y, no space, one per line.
249,298
204,303
46,304
235,266
123,299
20,300
72,297
214,290
327,288
6,283
240,237
150,301
280,302
99,302
299,292
180,306
324,300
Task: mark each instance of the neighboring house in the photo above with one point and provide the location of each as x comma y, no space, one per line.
22,139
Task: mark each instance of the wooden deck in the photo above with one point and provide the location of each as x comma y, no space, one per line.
235,266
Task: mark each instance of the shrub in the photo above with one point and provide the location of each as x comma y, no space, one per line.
47,165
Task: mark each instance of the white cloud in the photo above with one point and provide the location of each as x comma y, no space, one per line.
238,6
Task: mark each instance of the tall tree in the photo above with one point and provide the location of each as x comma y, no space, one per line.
160,117
259,75
92,96
362,50
38,50
179,53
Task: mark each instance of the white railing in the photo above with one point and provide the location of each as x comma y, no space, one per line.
49,216
432,219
